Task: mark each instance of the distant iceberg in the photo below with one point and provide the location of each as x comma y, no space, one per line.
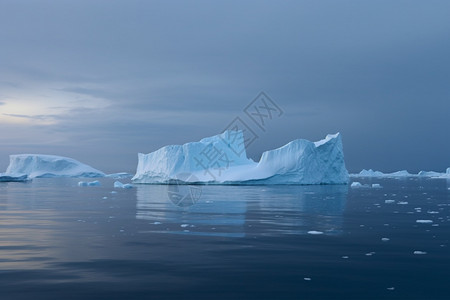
48,166
429,174
222,159
372,173
403,173
119,175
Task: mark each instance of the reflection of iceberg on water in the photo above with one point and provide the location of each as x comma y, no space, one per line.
238,211
174,209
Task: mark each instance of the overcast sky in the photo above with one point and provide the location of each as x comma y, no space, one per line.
100,81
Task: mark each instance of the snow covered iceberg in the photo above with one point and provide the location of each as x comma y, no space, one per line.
222,159
39,166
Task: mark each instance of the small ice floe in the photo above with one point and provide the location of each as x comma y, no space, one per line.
420,252
91,183
389,201
315,232
307,279
370,253
402,202
424,221
184,225
113,192
432,212
391,288
356,184
385,239
345,257
104,198
156,223
121,185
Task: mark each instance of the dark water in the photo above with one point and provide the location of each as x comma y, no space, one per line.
61,241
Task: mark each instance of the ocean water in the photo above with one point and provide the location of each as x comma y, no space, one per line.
62,241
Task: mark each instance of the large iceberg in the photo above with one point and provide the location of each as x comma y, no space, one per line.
40,166
222,159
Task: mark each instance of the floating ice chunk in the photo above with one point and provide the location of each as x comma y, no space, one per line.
424,221
121,185
307,279
389,201
91,183
419,252
315,232
38,165
298,162
402,202
385,239
391,288
356,184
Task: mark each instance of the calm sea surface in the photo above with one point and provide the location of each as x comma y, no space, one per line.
62,241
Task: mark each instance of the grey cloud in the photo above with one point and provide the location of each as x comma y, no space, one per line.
378,72
34,117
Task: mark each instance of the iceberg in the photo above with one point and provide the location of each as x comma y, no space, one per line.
404,173
222,159
119,175
48,166
429,174
372,173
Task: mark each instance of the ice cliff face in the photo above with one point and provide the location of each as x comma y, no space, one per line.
36,165
222,159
